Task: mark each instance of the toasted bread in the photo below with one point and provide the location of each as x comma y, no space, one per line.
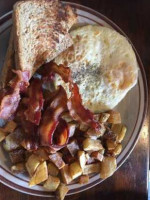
40,32
9,63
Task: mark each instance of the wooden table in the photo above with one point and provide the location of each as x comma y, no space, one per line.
130,181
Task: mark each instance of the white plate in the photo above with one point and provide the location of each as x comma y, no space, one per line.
132,109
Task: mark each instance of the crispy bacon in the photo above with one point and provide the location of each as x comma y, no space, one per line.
77,110
51,117
31,140
21,80
10,97
9,103
34,102
48,72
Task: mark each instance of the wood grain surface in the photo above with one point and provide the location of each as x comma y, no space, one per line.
130,181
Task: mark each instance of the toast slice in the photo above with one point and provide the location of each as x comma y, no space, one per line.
9,63
40,32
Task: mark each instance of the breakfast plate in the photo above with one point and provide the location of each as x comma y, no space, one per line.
132,109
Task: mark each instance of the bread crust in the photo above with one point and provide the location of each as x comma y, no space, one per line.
9,63
40,32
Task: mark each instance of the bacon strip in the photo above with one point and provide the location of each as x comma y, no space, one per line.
51,116
34,102
48,70
31,140
77,110
10,97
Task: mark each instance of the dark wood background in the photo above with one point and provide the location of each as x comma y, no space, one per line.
130,181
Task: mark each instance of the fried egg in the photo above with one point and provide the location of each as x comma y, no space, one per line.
103,65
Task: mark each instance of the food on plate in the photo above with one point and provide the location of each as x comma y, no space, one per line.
84,179
40,32
40,175
102,63
57,94
52,183
18,168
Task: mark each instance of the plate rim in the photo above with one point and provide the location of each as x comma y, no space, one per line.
8,183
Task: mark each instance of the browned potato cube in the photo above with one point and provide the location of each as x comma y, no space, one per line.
83,127
10,127
57,160
17,156
104,117
117,150
92,145
108,167
111,145
52,169
32,164
42,154
18,168
97,155
114,118
72,128
84,179
89,159
82,159
61,191
120,130
65,173
66,116
40,175
52,183
92,168
75,170
93,134
13,140
73,147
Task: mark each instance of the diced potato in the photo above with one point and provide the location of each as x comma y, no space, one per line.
114,118
52,169
96,117
120,131
2,135
117,150
40,175
84,179
92,145
82,159
13,140
17,156
104,117
10,127
65,173
97,155
32,164
66,116
111,145
92,168
61,191
108,167
83,127
73,148
57,160
18,168
96,134
71,128
75,170
89,159
42,154
52,183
